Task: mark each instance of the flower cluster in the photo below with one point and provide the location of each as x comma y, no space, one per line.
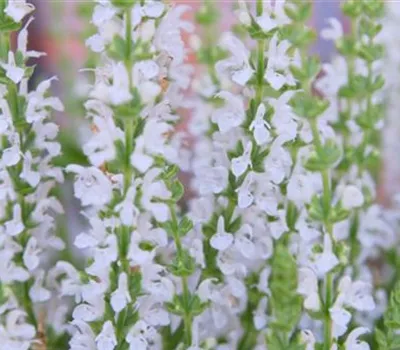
283,244
29,203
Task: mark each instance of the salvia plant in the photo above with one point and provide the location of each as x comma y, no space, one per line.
278,239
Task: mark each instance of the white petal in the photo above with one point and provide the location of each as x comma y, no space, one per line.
221,241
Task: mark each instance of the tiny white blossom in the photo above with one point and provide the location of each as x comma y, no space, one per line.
327,260
353,343
334,31
121,297
260,127
221,240
352,197
31,254
308,287
241,163
15,226
13,72
237,65
18,9
106,340
231,115
92,187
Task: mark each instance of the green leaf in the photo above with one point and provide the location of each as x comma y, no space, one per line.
301,12
309,70
308,106
286,304
177,190
207,14
326,157
185,226
124,4
182,265
7,24
316,209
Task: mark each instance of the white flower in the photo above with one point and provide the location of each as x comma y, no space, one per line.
139,159
356,294
13,72
245,196
128,212
279,226
18,9
327,260
31,254
334,32
283,118
17,327
352,197
83,338
260,314
37,292
11,155
15,226
243,14
30,176
213,180
95,43
168,34
300,189
106,340
140,335
92,187
143,73
237,65
241,163
231,115
308,231
37,102
273,15
89,312
352,342
221,240
308,287
278,163
244,242
260,127
341,318
308,339
277,73
23,42
155,188
120,90
121,297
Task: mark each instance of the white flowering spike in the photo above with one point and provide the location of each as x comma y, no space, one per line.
28,181
130,189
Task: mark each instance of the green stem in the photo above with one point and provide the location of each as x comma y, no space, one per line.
259,7
187,317
327,317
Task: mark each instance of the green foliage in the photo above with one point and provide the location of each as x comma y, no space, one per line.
389,337
308,106
325,157
285,302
